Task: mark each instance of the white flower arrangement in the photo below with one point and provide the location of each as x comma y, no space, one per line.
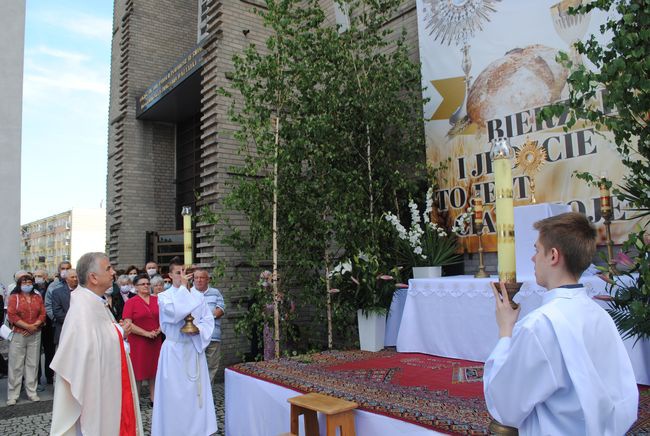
426,243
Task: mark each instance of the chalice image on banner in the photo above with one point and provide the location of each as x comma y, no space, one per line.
570,27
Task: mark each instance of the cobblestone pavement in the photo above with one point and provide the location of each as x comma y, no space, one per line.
33,419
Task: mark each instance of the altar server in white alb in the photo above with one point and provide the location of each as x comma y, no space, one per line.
183,403
562,369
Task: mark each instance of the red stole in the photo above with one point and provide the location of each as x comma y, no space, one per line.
127,416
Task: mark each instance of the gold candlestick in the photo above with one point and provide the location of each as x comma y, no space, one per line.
478,228
188,328
607,213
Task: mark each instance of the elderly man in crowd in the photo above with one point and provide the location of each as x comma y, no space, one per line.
63,272
61,302
217,307
95,392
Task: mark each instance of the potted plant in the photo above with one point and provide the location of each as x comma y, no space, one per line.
426,246
364,282
629,299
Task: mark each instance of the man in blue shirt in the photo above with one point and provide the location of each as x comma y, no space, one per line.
215,302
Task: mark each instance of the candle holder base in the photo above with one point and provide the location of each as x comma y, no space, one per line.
499,429
512,288
189,328
481,274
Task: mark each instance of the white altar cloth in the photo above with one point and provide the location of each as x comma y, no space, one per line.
454,317
256,407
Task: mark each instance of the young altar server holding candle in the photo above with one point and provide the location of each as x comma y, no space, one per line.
562,369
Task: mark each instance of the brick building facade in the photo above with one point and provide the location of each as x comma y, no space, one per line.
169,132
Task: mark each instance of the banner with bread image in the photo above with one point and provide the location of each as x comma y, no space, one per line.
488,69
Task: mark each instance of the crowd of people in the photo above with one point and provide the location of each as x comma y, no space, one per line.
148,308
573,384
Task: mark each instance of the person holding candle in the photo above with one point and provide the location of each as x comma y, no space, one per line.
182,366
563,368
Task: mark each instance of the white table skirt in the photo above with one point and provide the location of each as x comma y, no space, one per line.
255,407
394,317
454,317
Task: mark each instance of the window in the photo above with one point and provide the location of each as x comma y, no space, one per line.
203,20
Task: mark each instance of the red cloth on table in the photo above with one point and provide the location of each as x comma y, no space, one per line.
144,351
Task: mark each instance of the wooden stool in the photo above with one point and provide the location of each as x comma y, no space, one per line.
338,413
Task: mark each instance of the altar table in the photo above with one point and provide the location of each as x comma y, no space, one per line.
455,317
256,407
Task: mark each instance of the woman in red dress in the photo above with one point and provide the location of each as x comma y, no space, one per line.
145,339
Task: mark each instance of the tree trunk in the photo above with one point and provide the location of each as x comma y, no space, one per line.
276,292
329,300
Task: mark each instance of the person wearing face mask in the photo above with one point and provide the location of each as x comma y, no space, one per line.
26,313
167,281
132,272
61,302
64,267
41,283
152,269
124,291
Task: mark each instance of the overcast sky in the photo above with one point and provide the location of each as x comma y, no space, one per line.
65,106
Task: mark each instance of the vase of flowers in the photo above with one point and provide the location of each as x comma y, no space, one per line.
362,280
426,243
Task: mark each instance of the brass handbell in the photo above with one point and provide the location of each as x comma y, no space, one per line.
189,328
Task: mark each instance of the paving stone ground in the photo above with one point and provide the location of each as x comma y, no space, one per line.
33,419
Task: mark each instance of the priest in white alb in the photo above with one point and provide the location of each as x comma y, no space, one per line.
183,403
563,368
95,391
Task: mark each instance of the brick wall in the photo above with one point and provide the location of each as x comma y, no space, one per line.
148,37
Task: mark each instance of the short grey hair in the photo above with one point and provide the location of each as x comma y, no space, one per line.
87,264
124,280
156,280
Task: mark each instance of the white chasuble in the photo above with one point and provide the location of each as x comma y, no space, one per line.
88,366
183,403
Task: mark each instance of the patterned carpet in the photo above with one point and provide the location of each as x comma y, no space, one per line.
442,394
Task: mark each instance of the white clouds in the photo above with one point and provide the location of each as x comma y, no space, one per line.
65,107
89,26
49,69
61,54
74,82
81,24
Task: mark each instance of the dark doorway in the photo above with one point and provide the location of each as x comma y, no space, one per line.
188,165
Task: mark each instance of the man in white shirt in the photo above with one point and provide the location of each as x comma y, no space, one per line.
562,369
217,307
